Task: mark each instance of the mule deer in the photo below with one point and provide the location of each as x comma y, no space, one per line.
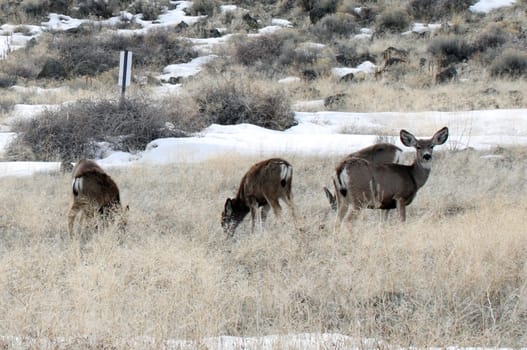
93,191
365,184
264,184
377,153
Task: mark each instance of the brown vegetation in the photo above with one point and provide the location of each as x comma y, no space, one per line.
452,274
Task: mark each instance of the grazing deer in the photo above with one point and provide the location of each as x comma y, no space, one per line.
365,184
377,153
262,186
93,191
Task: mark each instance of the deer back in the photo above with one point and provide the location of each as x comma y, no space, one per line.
379,153
267,179
92,183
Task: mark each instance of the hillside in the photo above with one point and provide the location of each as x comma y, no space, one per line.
253,63
218,86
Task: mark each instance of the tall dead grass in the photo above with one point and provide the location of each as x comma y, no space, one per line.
453,274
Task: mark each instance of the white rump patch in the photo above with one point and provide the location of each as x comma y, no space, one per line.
286,171
77,185
343,179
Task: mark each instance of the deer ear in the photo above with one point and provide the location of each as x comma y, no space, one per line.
440,137
407,138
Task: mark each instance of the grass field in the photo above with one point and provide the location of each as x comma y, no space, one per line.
453,274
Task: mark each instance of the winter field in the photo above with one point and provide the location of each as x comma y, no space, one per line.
453,276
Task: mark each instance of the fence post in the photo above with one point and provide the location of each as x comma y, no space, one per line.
125,71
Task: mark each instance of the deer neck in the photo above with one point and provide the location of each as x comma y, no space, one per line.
420,173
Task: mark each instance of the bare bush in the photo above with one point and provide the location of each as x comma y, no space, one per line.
427,10
450,49
348,54
7,80
93,51
203,7
270,52
492,36
150,10
232,101
392,20
335,25
511,63
79,130
98,8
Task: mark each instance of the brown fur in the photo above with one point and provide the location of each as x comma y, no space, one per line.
93,190
378,153
366,184
264,184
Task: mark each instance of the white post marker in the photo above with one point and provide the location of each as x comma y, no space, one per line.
125,70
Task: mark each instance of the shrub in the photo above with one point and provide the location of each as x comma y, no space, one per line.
203,7
450,49
427,10
276,52
448,8
392,21
83,53
93,52
491,37
98,8
7,80
334,26
162,47
349,55
40,8
269,52
511,63
77,130
235,101
53,69
149,9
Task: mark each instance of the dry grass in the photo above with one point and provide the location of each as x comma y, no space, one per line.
415,94
454,273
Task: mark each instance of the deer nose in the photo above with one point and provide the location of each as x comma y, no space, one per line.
427,156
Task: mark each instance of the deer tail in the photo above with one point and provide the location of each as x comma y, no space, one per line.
77,185
341,182
286,174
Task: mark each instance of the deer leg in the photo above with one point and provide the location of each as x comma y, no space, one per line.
255,214
289,202
342,210
72,213
402,208
265,213
386,215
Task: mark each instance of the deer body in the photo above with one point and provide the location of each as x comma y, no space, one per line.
264,184
377,153
365,184
93,191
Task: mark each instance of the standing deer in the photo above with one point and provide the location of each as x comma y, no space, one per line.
377,153
93,191
365,184
264,184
